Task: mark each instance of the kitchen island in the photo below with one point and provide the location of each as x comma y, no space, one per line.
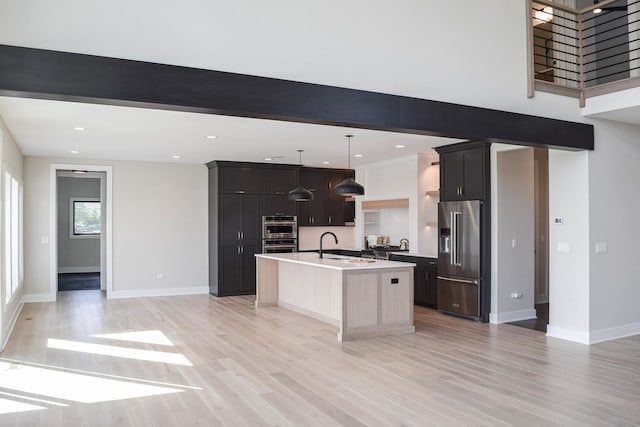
361,297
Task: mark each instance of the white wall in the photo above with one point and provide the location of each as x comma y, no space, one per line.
513,237
402,178
12,157
309,238
614,210
76,255
569,269
159,227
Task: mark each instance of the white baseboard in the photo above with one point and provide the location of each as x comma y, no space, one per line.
512,316
12,324
79,269
26,298
164,292
568,334
601,335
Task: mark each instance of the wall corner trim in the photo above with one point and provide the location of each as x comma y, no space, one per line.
512,316
29,298
617,332
568,334
161,292
12,323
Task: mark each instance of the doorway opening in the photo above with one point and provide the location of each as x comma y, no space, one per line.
541,242
80,228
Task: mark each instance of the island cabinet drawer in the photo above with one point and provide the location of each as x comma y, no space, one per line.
396,297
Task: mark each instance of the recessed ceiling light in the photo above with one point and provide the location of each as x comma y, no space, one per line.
79,128
358,155
399,146
268,159
175,156
597,10
74,152
326,163
211,137
79,172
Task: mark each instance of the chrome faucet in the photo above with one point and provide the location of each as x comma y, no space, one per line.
404,244
324,234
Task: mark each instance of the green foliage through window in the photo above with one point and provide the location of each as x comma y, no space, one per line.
86,218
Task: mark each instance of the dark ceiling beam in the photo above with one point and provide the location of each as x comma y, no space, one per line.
37,73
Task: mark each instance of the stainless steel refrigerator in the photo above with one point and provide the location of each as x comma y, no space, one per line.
459,258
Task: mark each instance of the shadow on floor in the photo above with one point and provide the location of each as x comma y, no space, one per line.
538,324
78,281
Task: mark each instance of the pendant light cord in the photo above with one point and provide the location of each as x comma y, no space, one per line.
349,151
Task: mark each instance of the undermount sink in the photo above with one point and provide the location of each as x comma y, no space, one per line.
359,260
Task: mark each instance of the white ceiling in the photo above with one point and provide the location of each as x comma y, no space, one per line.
45,128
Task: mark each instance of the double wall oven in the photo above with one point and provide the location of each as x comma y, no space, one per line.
279,234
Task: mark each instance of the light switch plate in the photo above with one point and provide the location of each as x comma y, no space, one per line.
563,247
558,220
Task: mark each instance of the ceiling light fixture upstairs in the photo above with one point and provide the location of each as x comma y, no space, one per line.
349,187
399,146
358,155
326,163
300,194
79,128
211,137
175,156
268,159
74,152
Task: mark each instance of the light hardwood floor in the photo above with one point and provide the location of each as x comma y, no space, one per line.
271,366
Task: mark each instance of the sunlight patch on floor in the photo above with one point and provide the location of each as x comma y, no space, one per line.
73,387
11,406
147,337
115,351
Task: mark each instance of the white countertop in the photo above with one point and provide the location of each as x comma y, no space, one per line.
336,262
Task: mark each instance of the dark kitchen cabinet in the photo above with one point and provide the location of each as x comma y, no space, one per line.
235,206
462,173
276,184
327,208
425,279
240,180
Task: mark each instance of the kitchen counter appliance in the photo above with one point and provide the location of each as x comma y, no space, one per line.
459,267
279,234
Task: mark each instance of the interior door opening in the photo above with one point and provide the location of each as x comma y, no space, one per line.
80,224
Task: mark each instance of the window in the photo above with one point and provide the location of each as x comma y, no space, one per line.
85,218
13,246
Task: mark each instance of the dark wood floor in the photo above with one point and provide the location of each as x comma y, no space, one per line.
78,281
538,324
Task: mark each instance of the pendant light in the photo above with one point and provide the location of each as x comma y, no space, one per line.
300,194
349,187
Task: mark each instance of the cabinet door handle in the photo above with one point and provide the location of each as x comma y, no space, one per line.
239,191
280,193
238,235
462,191
329,219
242,235
238,249
241,249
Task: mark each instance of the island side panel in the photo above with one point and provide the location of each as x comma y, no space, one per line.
377,303
266,282
313,291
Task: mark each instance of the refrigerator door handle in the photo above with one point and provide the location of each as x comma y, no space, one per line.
455,231
450,279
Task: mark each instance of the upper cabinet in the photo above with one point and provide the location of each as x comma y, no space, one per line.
240,179
276,184
327,208
464,171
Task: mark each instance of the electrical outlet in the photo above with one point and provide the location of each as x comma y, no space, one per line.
601,247
563,247
516,295
514,243
44,239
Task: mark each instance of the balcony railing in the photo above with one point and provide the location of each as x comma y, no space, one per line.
583,52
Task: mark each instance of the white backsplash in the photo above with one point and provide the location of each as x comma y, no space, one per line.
309,238
395,224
